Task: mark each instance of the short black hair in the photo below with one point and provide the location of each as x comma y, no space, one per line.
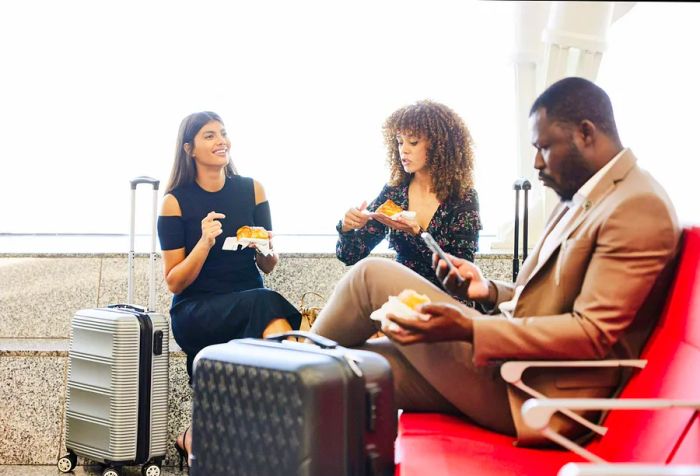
572,100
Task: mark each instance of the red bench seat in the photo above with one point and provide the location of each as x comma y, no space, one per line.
434,444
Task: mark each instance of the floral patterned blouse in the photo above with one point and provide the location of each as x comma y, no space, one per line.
455,227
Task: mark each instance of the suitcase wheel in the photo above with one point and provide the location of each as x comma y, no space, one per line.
150,470
111,472
67,463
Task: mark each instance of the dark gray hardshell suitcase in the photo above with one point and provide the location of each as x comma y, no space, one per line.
274,407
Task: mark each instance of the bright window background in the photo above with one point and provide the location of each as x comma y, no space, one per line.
652,73
92,93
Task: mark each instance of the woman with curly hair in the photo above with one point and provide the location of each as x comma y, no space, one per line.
429,151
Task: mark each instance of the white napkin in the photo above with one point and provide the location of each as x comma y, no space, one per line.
232,243
398,308
404,213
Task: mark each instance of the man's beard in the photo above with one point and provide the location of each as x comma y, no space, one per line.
575,173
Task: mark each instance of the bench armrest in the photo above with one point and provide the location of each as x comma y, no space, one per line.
537,414
512,373
627,469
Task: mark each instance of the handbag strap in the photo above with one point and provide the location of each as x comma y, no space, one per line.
307,293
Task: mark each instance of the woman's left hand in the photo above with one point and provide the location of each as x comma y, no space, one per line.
255,246
265,263
404,224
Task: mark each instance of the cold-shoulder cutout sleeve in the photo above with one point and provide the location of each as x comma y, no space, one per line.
260,196
262,216
170,206
171,226
171,232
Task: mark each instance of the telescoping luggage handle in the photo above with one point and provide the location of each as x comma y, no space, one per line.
132,233
524,185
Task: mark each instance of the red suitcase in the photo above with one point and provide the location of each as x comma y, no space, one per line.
274,407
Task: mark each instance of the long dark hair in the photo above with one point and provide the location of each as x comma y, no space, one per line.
184,170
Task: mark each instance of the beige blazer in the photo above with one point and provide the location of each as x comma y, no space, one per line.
597,295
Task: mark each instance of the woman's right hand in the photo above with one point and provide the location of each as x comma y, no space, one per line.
211,228
355,218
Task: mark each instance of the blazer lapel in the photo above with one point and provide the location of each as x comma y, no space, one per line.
599,192
533,258
540,261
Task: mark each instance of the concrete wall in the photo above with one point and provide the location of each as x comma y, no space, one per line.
40,293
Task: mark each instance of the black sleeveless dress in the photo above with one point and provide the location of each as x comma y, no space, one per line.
228,299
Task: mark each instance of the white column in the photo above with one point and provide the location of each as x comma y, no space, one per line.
530,19
553,40
575,39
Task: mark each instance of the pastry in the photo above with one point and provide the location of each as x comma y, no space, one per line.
389,208
252,232
404,305
412,299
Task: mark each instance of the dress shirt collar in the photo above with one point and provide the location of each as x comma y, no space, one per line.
583,192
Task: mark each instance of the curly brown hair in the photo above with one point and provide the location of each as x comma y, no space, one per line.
450,155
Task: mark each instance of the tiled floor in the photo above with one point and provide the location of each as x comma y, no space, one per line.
79,471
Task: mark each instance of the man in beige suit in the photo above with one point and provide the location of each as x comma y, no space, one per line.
589,290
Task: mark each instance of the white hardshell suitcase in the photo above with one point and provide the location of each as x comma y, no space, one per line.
117,395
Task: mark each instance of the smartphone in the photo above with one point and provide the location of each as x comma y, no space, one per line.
432,244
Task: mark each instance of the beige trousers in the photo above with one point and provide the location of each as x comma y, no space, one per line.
439,377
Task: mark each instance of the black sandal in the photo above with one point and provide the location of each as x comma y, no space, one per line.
181,451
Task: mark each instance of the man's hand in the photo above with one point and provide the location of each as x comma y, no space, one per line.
446,322
472,284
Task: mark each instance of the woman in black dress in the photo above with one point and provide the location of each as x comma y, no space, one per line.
219,295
